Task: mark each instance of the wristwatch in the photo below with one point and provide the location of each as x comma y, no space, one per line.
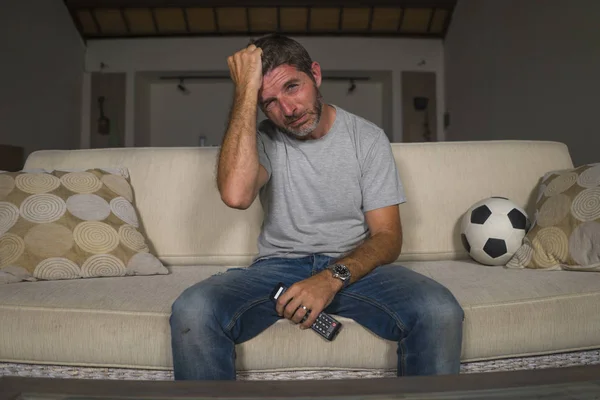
341,272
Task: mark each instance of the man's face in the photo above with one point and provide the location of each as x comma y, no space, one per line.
291,100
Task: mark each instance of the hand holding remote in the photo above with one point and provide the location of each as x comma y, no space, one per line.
325,325
308,297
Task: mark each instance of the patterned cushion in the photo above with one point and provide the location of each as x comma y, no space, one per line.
566,230
71,224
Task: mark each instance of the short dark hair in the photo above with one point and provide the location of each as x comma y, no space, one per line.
281,50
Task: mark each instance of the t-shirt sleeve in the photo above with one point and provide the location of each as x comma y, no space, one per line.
263,158
381,183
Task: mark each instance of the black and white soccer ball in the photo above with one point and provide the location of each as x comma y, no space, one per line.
493,229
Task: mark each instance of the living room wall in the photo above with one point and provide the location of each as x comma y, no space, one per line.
525,70
137,57
40,75
180,119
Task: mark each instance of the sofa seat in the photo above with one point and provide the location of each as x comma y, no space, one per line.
124,322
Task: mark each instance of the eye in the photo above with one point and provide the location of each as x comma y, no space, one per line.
292,86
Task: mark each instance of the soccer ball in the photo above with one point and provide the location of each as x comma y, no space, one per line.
493,229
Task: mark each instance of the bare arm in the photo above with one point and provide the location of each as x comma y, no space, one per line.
239,174
382,247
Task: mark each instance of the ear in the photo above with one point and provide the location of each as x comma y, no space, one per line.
316,72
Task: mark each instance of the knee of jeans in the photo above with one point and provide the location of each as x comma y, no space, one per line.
192,305
443,309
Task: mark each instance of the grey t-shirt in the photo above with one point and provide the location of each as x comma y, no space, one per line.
318,190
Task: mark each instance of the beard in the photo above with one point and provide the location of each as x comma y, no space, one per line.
313,115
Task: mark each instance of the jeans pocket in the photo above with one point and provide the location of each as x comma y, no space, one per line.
259,259
228,270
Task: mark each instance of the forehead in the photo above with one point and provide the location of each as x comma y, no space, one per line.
274,80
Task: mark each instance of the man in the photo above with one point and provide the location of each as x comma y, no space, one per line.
330,191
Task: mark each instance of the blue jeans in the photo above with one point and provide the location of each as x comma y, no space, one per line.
392,301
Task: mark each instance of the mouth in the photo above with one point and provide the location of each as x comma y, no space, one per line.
299,121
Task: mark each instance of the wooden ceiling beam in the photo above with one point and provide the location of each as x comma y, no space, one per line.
125,20
383,34
431,15
448,4
444,7
98,27
185,19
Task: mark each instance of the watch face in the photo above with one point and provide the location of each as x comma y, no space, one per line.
341,269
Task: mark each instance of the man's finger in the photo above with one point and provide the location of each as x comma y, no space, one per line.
291,308
301,313
312,317
281,303
283,300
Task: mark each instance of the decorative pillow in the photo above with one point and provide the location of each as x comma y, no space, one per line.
69,224
566,229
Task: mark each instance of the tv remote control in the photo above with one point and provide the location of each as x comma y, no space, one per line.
325,325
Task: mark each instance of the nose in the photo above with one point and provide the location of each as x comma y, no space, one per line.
287,107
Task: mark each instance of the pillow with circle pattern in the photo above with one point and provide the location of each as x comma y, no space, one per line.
70,224
565,234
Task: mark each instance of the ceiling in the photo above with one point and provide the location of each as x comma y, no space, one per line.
111,19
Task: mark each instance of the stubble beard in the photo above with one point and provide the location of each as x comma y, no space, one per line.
308,127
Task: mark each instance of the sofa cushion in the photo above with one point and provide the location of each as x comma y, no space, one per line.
66,224
566,230
125,322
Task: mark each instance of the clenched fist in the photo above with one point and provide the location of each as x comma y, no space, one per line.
245,68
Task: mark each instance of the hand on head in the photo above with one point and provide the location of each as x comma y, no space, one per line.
245,68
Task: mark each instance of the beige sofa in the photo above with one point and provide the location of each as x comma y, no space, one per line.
124,322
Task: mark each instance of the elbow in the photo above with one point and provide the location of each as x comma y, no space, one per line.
235,200
398,250
396,246
399,243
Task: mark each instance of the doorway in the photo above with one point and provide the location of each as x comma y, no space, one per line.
419,108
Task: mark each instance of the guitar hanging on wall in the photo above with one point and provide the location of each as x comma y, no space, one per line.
103,121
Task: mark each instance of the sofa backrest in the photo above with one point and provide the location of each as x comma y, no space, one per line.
188,224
